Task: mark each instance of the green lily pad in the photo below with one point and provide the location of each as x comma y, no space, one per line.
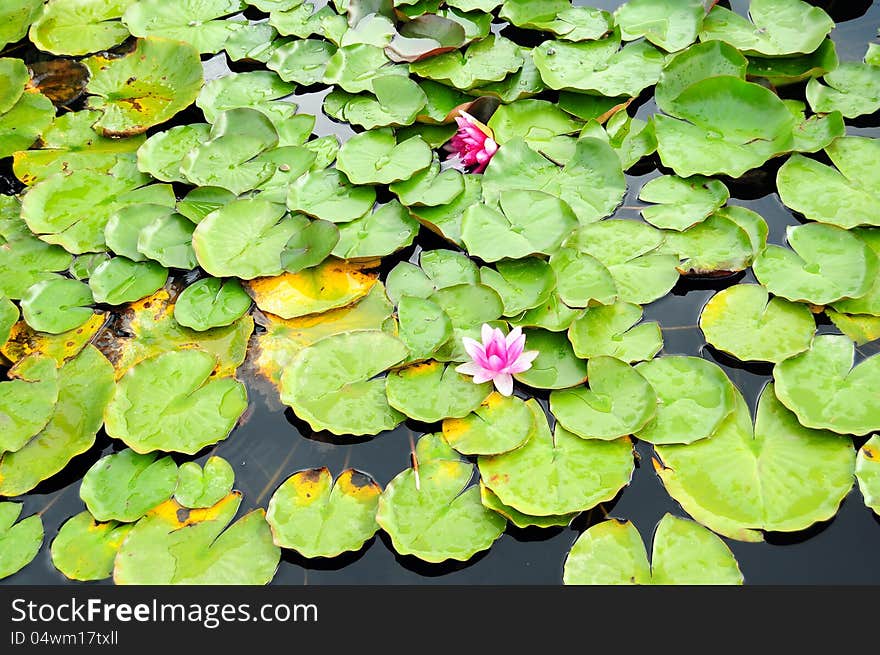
310,245
559,473
619,402
245,238
375,157
599,67
84,549
727,241
384,231
433,514
631,138
301,61
78,27
353,68
849,192
500,424
120,280
85,385
230,159
668,24
430,187
431,391
398,101
84,265
861,329
161,154
694,397
423,326
780,71
492,235
259,89
556,366
522,284
168,240
27,400
553,315
870,302
26,120
778,27
681,203
520,520
611,330
868,472
200,547
193,21
591,183
469,304
17,77
684,553
826,391
319,517
57,306
211,303
445,220
558,17
488,60
19,542
178,408
745,322
151,85
25,261
201,201
524,83
826,263
331,385
302,20
200,488
15,19
328,195
126,485
776,475
535,121
8,318
425,36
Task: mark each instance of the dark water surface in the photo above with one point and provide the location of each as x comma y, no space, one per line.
272,444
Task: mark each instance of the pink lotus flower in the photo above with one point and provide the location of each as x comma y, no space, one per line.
472,145
497,358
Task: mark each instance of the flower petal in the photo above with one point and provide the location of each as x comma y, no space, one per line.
486,334
473,348
504,384
469,368
484,376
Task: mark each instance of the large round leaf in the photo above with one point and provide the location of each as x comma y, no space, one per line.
124,227
612,330
669,24
330,384
487,60
778,476
823,388
126,485
520,520
559,473
521,284
684,553
19,542
432,513
422,325
199,487
825,263
430,392
398,100
173,546
745,322
556,366
355,67
869,303
868,472
171,403
211,303
15,18
78,27
853,90
120,280
618,402
257,89
27,400
375,157
168,240
56,306
328,195
84,549
681,203
727,241
192,21
384,231
157,80
319,517
498,425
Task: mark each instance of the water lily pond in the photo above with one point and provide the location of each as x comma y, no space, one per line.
420,292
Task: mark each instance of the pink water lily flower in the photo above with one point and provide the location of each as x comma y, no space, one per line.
472,145
497,358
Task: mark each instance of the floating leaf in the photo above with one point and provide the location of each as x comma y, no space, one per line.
15,18
868,472
669,24
780,71
25,261
193,21
201,201
861,329
684,553
168,403
469,304
211,303
384,231
331,385
28,118
375,157
84,549
24,341
553,315
849,192
8,318
556,367
611,330
434,515
777,476
500,424
126,485
259,89
487,60
826,391
120,280
558,474
522,284
317,517
328,195
425,36
85,385
423,326
19,542
727,241
694,397
398,101
78,27
302,61
431,187
778,27
200,488
27,401
161,154
826,263
173,546
619,401
745,322
168,240
559,17
57,306
430,392
870,302
355,67
681,203
149,86
520,520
